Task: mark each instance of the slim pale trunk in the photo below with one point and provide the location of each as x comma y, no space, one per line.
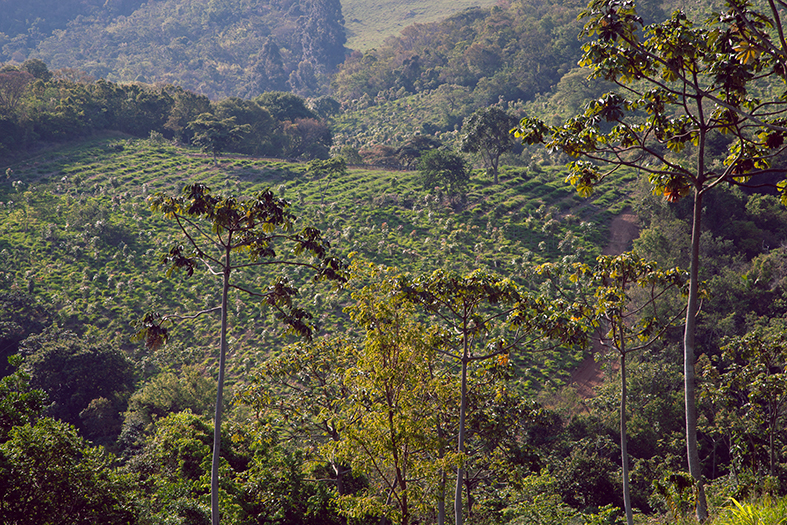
689,359
214,470
624,455
460,471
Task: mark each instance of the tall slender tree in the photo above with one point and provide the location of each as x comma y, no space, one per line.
394,403
215,229
604,298
483,317
681,86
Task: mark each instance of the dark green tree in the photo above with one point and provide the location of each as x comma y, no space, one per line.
488,132
186,107
325,106
442,167
37,68
20,316
214,135
258,122
166,393
216,229
20,404
49,475
410,152
285,106
77,371
681,85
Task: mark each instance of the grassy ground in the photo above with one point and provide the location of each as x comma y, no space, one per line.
370,22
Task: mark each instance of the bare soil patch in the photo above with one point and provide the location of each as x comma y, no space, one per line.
623,231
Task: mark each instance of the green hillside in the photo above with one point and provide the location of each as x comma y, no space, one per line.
77,239
219,49
479,334
76,231
368,23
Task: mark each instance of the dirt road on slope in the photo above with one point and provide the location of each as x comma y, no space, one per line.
623,231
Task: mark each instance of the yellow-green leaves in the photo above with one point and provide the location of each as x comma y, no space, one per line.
604,296
531,130
584,176
746,52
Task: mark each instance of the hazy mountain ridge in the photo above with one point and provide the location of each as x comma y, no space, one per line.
220,48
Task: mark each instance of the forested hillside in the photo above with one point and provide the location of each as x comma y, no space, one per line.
368,301
432,76
219,49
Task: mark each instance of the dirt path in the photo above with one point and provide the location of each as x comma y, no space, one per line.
623,231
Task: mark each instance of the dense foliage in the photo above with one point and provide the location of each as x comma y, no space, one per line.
45,107
473,298
220,49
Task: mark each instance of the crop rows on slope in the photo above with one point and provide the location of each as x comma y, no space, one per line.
80,237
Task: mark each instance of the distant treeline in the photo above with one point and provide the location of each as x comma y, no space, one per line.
37,104
512,51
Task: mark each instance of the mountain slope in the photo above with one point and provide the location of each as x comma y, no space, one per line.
219,48
370,22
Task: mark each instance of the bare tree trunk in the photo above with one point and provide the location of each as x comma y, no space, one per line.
460,471
689,359
441,500
624,455
214,470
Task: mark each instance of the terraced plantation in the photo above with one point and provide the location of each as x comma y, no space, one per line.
76,228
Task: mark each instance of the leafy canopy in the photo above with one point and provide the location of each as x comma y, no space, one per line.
260,227
681,84
442,167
